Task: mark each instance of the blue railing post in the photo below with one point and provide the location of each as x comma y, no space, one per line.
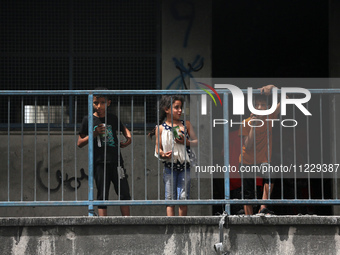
90,154
226,153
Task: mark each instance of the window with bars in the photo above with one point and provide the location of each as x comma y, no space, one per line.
77,45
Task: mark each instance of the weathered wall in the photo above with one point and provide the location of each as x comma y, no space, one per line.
186,40
36,178
170,235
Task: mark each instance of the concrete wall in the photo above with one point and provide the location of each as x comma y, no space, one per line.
170,235
35,176
186,39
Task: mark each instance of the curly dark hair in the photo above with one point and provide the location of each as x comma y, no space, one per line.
164,104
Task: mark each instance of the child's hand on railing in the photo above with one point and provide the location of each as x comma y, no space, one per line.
267,89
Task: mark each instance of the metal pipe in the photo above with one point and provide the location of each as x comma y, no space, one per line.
35,148
321,149
198,151
294,150
22,152
62,147
211,152
334,149
49,148
141,92
90,154
132,147
158,149
308,158
75,142
118,136
226,154
145,159
8,145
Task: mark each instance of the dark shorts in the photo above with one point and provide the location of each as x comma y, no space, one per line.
249,184
111,176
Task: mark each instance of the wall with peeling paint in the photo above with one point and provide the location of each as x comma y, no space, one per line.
170,235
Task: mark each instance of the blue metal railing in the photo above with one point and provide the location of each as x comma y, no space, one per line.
90,202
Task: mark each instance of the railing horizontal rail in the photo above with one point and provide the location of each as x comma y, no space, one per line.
139,92
177,202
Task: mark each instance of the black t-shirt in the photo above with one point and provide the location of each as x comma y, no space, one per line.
99,142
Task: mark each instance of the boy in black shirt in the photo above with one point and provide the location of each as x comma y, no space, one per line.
106,148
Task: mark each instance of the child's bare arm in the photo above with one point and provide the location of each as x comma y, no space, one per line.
248,140
267,90
84,139
127,135
192,135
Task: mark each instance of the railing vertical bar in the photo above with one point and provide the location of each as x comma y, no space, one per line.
145,158
308,156
281,156
35,148
49,148
158,161
62,148
241,153
119,150
294,150
334,149
105,147
211,152
226,153
172,154
90,154
321,148
198,150
132,148
75,142
185,148
8,145
22,150
119,166
255,162
269,154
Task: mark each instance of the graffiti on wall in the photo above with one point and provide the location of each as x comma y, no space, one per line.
184,10
185,71
71,183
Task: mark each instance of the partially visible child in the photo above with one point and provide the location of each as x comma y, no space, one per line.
173,148
262,156
105,142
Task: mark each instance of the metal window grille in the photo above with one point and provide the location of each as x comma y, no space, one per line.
79,45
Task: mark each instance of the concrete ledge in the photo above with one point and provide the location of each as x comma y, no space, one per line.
162,220
258,234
